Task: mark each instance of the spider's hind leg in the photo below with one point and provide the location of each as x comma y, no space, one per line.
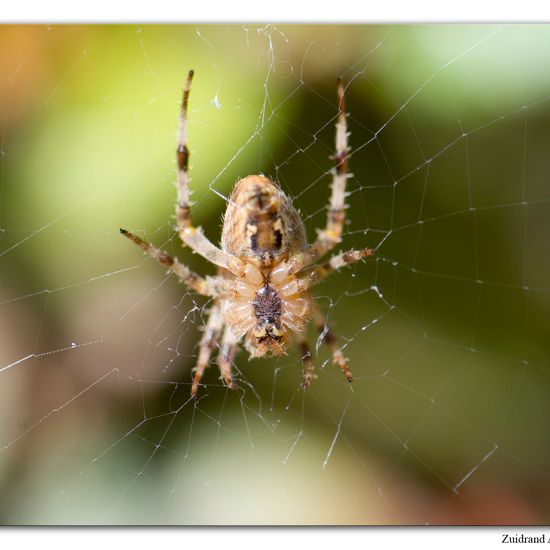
190,235
183,205
330,236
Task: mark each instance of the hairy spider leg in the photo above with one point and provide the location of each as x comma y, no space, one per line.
328,337
228,349
316,274
208,342
205,286
183,204
329,237
190,235
306,359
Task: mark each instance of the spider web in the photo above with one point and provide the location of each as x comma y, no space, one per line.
445,330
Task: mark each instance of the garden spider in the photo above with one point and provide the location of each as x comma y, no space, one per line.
265,266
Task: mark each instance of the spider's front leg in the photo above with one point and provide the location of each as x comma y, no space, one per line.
227,353
300,285
207,344
190,235
328,337
306,359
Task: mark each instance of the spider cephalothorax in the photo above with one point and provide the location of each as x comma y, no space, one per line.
269,332
265,266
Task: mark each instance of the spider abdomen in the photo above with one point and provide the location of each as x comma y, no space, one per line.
261,223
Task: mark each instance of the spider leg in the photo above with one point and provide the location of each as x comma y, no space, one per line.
190,235
328,337
329,237
306,359
207,344
317,274
206,286
183,205
227,353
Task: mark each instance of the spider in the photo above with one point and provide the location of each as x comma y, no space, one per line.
266,268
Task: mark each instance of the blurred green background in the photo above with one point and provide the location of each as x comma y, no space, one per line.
446,331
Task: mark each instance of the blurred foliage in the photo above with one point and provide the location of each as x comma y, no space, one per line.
446,331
